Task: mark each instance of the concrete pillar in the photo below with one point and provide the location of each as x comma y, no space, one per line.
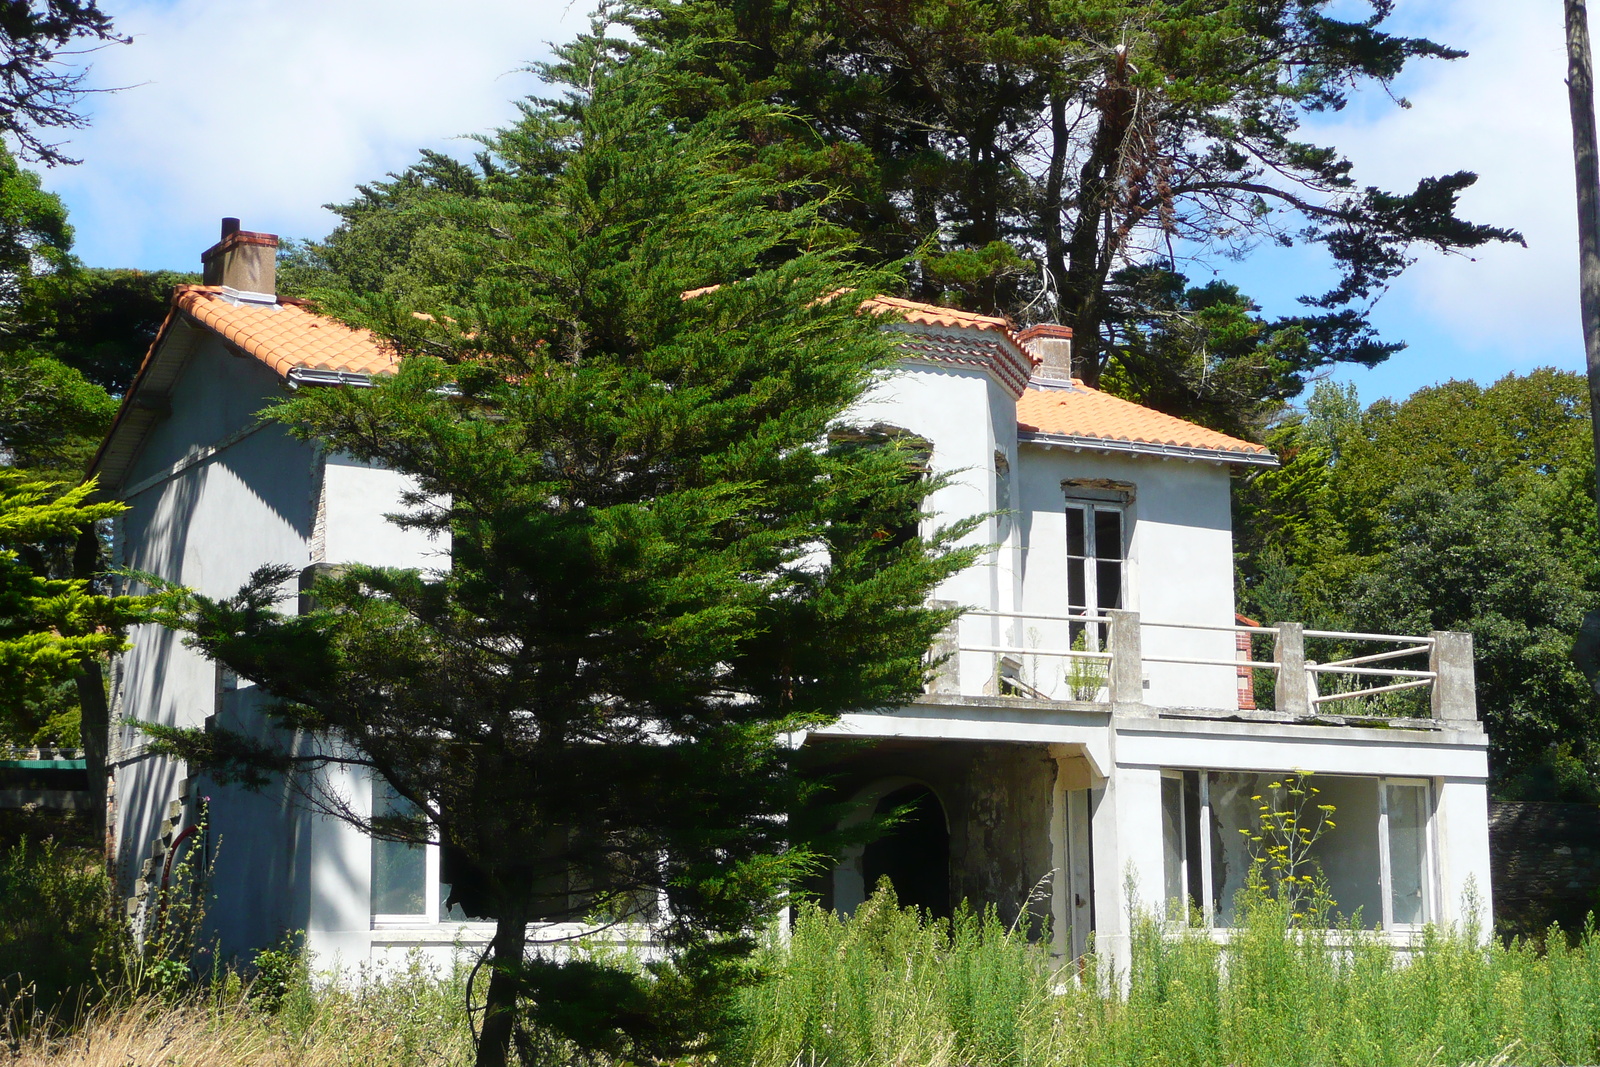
1127,860
1293,694
1462,849
1127,661
1455,693
946,676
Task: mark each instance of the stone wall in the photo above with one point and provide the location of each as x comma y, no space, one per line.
1545,860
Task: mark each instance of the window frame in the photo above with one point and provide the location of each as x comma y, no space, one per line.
1429,862
1429,872
429,915
1092,503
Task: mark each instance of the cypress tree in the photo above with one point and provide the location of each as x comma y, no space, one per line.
662,552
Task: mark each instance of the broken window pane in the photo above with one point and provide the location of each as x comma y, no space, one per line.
1077,531
399,869
1107,534
1108,582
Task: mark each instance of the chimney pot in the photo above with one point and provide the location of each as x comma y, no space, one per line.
229,225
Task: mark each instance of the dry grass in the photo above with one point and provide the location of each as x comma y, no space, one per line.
411,1020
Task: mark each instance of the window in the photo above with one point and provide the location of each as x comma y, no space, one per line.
892,517
1183,863
1404,831
420,883
1376,859
1095,564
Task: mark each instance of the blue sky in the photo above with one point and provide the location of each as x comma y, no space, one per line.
268,109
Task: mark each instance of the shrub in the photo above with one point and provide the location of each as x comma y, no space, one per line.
59,935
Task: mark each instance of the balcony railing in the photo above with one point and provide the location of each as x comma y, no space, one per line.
1117,658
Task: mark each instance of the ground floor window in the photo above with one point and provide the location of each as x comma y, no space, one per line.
1376,852
401,878
418,883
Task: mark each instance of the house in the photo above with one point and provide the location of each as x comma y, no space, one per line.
1087,736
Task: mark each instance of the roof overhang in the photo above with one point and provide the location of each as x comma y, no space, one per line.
147,401
1146,448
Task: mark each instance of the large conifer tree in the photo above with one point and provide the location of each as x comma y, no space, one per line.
1021,155
663,559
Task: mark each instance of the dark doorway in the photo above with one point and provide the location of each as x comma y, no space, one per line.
914,854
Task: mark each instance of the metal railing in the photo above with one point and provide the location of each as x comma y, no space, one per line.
1102,662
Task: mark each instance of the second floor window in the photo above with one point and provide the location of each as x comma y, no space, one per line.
1096,560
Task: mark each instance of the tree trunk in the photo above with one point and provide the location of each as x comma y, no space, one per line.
1580,101
1089,254
500,1005
1055,255
94,712
94,731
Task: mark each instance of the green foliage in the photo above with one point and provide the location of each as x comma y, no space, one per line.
658,564
1205,354
67,334
48,626
51,418
1284,871
60,936
1463,508
99,322
1085,676
281,974
886,988
1019,156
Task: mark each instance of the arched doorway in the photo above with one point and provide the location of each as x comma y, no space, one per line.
914,854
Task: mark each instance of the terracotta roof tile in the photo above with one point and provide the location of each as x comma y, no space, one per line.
933,315
1088,413
285,336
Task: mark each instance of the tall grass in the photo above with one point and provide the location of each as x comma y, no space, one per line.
889,988
886,989
410,1019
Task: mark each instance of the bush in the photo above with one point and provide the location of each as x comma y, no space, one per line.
59,934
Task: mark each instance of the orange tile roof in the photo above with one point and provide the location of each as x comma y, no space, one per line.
1089,414
933,315
285,336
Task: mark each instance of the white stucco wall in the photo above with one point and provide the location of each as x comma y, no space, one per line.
357,499
1179,535
212,496
205,519
968,418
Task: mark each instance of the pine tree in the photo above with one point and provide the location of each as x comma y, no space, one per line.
626,368
1020,155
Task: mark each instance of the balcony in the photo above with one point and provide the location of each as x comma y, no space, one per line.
1274,673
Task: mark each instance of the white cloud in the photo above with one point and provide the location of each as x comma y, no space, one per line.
267,109
1501,112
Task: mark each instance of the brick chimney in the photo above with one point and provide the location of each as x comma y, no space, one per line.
244,261
1051,345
